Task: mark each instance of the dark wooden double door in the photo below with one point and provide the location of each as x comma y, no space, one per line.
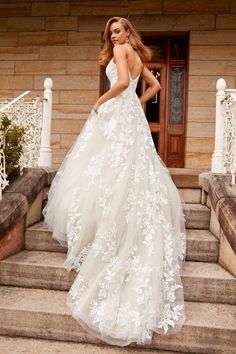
166,111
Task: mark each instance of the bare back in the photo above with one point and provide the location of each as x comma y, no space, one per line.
134,62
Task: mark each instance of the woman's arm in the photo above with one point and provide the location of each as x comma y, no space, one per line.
153,84
120,53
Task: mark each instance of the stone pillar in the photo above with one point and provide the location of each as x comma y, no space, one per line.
217,164
45,151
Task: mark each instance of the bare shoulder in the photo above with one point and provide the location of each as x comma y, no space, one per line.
120,49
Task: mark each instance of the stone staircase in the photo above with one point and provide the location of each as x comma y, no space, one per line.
34,285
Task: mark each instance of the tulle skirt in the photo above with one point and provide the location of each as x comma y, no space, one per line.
115,207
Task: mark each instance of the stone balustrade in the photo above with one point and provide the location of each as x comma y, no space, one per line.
220,197
224,156
21,206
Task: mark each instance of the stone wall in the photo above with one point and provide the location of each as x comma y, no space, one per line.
62,39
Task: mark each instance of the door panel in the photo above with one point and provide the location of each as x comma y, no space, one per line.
175,117
170,56
155,108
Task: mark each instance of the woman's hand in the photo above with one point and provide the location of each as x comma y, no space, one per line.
95,107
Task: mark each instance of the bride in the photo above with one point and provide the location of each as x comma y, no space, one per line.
114,206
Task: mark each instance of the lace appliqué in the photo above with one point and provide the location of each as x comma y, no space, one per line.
127,241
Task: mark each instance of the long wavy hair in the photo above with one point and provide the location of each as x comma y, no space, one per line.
134,40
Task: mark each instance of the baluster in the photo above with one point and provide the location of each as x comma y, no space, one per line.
45,151
217,163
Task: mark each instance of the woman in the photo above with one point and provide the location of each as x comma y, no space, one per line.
115,207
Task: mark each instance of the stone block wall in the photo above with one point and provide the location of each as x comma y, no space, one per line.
62,40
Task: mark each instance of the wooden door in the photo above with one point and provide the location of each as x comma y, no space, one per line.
166,116
155,108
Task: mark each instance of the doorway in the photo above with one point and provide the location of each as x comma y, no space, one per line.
166,111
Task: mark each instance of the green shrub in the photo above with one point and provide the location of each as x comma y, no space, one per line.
14,139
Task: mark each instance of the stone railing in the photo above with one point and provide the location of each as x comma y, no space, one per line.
220,197
224,156
34,115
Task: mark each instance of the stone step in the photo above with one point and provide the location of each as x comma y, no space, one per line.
38,237
21,345
201,244
209,328
208,282
203,282
197,217
185,177
190,195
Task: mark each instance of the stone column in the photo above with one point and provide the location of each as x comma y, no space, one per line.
217,164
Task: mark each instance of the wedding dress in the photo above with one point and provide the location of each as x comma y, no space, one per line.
114,205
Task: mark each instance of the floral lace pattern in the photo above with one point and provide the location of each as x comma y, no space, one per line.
122,221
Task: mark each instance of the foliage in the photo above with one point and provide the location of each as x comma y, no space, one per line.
14,139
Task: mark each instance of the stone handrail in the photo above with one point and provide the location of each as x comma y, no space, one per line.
34,115
21,206
224,156
220,196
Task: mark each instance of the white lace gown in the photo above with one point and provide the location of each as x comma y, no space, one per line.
115,207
